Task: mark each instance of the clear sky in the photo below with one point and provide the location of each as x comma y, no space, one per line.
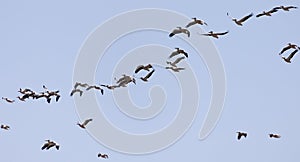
40,42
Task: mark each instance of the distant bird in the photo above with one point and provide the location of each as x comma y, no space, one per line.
215,35
84,85
23,91
285,8
175,69
145,79
5,127
104,156
241,134
123,81
53,93
240,21
83,125
76,90
195,21
111,87
143,67
95,87
177,52
8,100
267,13
288,59
175,62
179,30
289,46
50,144
21,98
271,135
44,87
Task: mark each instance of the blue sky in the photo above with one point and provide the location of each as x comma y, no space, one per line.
39,46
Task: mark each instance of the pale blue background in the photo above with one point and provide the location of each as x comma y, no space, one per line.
39,44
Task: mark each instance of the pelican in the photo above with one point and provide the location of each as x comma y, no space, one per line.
96,87
195,21
104,156
111,87
76,90
125,80
8,100
145,79
177,52
83,125
143,67
50,144
240,21
23,91
267,13
179,30
288,59
271,135
84,85
5,127
241,134
215,35
285,8
175,69
175,62
289,46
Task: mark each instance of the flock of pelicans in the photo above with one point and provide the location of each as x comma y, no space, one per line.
123,81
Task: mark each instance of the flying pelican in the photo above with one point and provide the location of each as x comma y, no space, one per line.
84,85
241,134
285,8
289,46
104,156
5,127
143,67
145,79
288,59
175,62
175,69
96,87
23,91
177,52
83,125
8,100
76,90
50,144
271,135
215,35
240,21
111,87
195,21
267,13
122,82
179,30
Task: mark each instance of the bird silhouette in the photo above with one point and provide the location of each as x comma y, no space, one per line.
267,13
145,79
288,59
104,156
195,21
143,67
240,21
215,35
83,125
177,52
241,134
175,62
50,144
179,30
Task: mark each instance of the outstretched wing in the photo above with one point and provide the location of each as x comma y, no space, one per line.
190,24
174,54
139,68
222,33
87,121
292,54
149,74
246,17
178,60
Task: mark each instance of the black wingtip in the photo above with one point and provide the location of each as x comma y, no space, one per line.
171,34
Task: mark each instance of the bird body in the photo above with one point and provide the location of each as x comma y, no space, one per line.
104,156
8,100
177,52
5,127
215,35
195,21
143,67
50,144
179,30
271,135
241,134
83,125
267,13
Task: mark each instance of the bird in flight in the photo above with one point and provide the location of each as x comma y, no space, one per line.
111,87
76,90
241,134
123,81
177,52
215,35
285,8
145,79
95,87
271,135
195,21
50,144
175,69
240,21
288,59
143,67
83,125
267,13
179,30
104,156
5,127
289,46
175,62
84,85
8,100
